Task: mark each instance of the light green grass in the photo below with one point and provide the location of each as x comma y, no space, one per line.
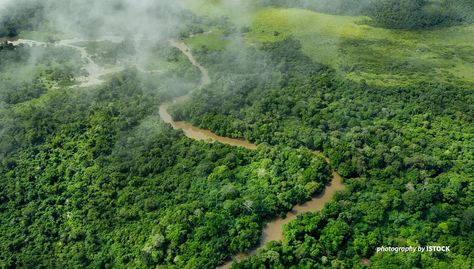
380,56
43,36
239,12
212,40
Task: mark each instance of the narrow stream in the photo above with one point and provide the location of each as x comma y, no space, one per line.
274,229
95,72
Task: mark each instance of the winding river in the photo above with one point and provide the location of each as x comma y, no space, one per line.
95,72
274,229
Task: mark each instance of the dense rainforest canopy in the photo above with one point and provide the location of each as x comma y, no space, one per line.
85,170
391,144
91,176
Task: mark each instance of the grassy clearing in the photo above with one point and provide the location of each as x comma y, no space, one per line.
239,12
211,40
380,56
109,54
43,36
105,53
156,63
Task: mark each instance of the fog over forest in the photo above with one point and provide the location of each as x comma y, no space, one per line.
236,133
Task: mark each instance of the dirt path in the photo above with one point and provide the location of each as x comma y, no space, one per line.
274,229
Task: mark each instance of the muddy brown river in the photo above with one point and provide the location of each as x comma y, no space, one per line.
198,133
274,229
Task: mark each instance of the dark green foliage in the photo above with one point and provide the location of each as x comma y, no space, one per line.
339,7
419,14
27,71
397,14
93,178
406,152
404,14
13,93
20,15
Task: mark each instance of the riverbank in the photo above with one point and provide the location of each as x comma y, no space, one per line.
274,229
